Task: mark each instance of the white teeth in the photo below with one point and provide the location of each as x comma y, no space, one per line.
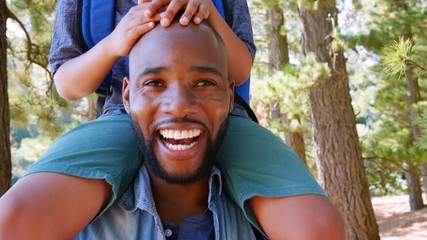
179,147
177,135
184,134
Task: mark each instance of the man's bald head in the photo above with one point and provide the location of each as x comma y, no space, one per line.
176,36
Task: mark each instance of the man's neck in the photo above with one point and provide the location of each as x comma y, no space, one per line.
175,202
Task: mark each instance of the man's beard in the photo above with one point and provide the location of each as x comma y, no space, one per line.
205,167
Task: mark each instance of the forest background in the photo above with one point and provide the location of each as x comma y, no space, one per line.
342,82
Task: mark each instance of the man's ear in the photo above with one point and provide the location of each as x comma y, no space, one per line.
126,94
231,85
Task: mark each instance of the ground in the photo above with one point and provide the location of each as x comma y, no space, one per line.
395,220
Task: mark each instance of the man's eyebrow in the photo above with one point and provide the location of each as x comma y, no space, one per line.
153,70
206,69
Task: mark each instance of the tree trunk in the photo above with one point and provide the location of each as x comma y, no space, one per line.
295,140
414,96
91,114
338,152
5,155
423,170
413,179
278,55
278,58
412,176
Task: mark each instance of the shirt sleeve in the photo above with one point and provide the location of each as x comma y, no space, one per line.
67,39
239,20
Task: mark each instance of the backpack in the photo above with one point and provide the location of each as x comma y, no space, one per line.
98,21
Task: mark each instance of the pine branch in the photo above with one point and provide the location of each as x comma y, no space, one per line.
392,161
413,64
30,45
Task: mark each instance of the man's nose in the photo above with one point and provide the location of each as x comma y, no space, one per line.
181,101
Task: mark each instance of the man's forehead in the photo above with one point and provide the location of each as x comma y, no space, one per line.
163,47
176,34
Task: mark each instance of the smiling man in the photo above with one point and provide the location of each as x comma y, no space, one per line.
179,97
179,100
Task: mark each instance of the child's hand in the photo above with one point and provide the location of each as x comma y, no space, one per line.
133,25
196,9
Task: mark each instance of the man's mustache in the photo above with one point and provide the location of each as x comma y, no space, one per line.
180,120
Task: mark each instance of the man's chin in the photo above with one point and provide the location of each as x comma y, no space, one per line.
181,178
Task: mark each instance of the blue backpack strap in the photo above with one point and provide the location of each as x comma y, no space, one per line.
97,20
242,90
97,23
220,7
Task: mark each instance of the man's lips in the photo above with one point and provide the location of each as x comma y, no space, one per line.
180,140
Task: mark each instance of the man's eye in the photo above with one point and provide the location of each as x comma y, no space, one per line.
154,83
205,82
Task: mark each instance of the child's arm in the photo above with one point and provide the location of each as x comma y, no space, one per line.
239,57
83,75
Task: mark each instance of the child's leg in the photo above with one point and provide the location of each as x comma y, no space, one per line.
80,175
260,168
105,148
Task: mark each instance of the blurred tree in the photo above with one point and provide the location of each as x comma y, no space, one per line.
5,155
339,158
396,105
279,59
414,96
397,59
277,89
36,109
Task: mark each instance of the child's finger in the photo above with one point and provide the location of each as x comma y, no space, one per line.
154,6
189,12
138,31
202,13
135,17
172,9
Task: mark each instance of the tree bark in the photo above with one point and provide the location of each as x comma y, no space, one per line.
5,155
414,96
412,176
423,170
278,57
413,180
338,152
91,114
295,140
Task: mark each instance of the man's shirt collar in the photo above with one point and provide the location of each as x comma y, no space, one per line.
140,195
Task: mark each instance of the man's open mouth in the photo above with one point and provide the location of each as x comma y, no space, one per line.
179,140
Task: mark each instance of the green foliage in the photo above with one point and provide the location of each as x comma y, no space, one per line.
422,140
26,152
396,56
38,114
374,31
288,87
